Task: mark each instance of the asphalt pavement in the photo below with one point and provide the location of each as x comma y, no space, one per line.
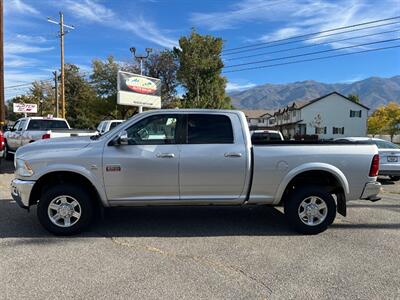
202,253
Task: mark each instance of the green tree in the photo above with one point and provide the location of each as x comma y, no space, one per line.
354,97
81,99
41,93
199,72
385,120
164,65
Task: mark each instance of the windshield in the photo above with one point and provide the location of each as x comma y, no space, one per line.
266,136
116,128
47,124
385,145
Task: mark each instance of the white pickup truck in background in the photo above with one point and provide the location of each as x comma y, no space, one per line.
30,129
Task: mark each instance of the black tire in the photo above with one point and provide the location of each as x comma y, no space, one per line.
78,193
292,209
394,178
7,155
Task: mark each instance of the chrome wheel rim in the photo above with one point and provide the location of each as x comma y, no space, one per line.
64,211
312,211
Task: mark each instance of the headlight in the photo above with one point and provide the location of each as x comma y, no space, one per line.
23,168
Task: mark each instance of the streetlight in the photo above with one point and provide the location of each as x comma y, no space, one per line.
141,57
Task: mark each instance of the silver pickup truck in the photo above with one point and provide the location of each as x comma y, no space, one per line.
190,157
30,129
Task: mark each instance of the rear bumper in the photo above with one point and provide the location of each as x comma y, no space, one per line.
371,191
389,173
21,191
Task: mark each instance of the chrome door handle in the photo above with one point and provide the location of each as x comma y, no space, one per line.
233,154
165,155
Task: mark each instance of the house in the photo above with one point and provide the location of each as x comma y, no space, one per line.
258,118
326,117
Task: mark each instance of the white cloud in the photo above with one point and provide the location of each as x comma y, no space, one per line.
19,6
301,17
95,12
15,48
15,61
231,86
31,38
91,11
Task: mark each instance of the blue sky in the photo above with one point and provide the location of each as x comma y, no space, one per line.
111,27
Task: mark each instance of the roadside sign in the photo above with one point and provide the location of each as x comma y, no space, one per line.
24,108
138,90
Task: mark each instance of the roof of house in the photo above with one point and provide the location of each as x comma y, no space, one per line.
322,97
256,113
303,103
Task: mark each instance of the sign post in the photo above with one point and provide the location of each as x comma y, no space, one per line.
138,90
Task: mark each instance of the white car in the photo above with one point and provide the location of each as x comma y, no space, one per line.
107,125
389,154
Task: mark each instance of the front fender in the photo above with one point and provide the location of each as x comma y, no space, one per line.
96,182
311,167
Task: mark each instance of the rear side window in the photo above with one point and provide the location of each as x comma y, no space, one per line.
47,124
114,124
209,129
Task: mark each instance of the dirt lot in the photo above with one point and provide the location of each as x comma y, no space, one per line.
208,252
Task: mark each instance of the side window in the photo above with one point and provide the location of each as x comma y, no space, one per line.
22,125
209,129
103,127
114,124
154,130
16,125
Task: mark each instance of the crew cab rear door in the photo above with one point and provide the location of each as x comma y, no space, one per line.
213,159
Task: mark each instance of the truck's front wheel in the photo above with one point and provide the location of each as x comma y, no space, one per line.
65,209
310,209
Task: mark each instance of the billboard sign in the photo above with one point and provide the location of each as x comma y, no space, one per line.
24,108
138,90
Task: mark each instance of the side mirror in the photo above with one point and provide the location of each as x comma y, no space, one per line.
123,138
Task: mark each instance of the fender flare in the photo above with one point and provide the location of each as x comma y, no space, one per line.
337,173
53,168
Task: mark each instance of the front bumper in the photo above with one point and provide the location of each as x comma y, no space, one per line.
371,191
21,191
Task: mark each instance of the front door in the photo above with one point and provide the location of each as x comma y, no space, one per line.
213,161
147,168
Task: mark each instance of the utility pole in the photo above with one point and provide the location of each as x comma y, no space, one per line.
61,36
141,57
2,102
56,93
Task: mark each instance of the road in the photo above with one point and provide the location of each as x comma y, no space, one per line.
203,253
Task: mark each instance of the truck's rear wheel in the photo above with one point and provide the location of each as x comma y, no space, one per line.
310,209
65,209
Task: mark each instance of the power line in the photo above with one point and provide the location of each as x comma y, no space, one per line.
313,38
314,33
309,46
312,59
25,84
312,53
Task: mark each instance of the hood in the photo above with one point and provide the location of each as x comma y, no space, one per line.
56,144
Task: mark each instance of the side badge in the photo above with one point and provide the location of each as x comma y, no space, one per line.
113,168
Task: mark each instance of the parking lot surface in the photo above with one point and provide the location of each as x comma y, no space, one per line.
202,253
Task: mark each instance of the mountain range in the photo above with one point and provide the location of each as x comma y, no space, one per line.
373,92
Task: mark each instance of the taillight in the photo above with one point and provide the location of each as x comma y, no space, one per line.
1,141
373,171
46,136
